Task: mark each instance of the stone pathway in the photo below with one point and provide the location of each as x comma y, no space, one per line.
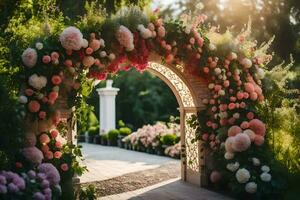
173,189
106,162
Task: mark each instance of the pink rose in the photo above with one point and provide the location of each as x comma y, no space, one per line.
53,96
240,95
241,142
49,155
46,59
64,167
76,85
232,99
250,133
244,125
223,122
205,137
88,61
45,148
231,106
249,87
125,38
54,133
226,83
217,88
56,80
34,106
57,154
242,105
89,51
29,92
54,55
258,127
58,144
259,140
29,57
250,115
234,130
71,38
253,96
206,70
44,138
95,44
68,63
42,114
161,31
223,107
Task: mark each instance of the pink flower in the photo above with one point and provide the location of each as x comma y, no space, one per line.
206,70
169,58
64,167
205,137
258,127
30,139
161,31
241,142
46,59
258,90
250,133
44,138
253,96
249,87
223,107
223,122
33,154
45,149
240,95
232,99
71,38
56,80
234,130
217,88
231,120
29,57
250,115
215,177
125,38
226,83
231,106
259,140
246,95
242,105
53,96
244,125
49,155
89,50
68,63
88,61
42,114
29,92
34,106
95,44
58,144
54,133
57,154
54,55
76,85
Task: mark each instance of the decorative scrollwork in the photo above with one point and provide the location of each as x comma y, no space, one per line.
192,153
181,88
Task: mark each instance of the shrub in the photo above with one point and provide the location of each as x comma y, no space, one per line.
93,131
125,131
113,134
104,136
168,139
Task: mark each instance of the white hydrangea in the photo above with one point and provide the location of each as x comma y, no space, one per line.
217,71
251,187
38,82
260,73
242,175
233,166
265,168
255,161
29,57
23,99
85,43
266,177
228,155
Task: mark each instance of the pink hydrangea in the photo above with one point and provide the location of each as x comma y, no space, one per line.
258,127
228,144
259,140
29,57
215,176
234,130
51,173
71,38
33,154
250,133
241,142
125,38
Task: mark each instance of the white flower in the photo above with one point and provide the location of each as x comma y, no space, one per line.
39,45
256,161
56,88
266,177
242,175
228,155
38,82
223,115
111,56
71,38
232,56
265,168
23,99
260,73
40,96
103,54
236,115
211,86
221,92
212,47
251,187
29,57
85,43
102,43
246,62
217,71
233,166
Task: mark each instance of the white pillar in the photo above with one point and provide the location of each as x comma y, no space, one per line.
107,107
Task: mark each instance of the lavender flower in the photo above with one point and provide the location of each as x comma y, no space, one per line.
51,173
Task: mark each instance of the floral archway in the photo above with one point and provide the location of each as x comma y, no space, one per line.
60,68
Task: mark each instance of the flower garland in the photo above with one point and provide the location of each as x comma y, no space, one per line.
232,65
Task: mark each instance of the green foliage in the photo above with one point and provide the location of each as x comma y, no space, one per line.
113,134
169,139
86,193
125,131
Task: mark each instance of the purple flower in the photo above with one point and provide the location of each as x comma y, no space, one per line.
13,188
45,184
31,174
47,191
2,180
3,189
51,173
33,154
38,196
41,176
